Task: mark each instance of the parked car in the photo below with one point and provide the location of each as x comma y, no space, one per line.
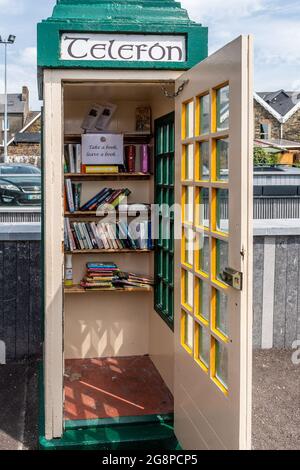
20,185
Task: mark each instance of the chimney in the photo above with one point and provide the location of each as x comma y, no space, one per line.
25,94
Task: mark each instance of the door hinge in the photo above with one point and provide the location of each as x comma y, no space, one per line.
233,278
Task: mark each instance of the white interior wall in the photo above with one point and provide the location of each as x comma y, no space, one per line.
117,324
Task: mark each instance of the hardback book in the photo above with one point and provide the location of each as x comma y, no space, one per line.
145,158
95,169
71,150
78,158
69,193
130,157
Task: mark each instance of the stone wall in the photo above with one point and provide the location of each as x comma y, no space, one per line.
291,129
261,115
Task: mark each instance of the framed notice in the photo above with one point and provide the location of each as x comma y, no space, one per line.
102,149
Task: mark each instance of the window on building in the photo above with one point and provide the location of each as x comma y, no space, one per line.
265,130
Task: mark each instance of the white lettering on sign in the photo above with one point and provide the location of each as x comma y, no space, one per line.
123,47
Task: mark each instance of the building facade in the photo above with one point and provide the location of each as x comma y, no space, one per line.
18,111
277,115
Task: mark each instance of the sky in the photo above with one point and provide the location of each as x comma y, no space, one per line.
274,24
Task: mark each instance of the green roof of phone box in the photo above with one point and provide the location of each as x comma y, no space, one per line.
122,16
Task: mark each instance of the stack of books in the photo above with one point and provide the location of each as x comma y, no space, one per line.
100,276
107,196
107,236
133,280
107,276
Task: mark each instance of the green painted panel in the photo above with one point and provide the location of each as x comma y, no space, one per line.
164,194
122,16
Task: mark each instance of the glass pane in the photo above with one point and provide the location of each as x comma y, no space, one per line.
204,253
188,295
204,345
189,163
166,139
188,333
204,161
223,108
222,159
222,363
189,246
204,300
172,137
222,313
222,210
160,141
204,208
222,258
189,205
204,114
189,125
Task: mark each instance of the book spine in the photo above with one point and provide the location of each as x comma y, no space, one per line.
70,236
70,197
88,205
103,236
88,169
130,156
121,198
71,158
145,159
96,235
66,238
92,236
79,236
87,236
78,158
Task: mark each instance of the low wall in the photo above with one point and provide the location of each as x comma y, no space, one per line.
276,290
276,287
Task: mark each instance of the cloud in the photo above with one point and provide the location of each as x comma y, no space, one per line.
215,10
12,7
28,56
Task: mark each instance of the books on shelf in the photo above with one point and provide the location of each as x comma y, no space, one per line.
107,236
73,158
105,197
108,276
98,169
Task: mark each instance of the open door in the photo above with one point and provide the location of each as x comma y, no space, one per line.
213,305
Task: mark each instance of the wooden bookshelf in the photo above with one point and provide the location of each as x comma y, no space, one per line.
94,214
76,289
133,138
93,252
108,176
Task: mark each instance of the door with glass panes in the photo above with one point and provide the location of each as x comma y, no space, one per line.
213,278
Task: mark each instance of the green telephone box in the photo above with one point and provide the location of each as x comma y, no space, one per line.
137,364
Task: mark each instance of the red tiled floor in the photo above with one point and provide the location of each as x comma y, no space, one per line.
114,387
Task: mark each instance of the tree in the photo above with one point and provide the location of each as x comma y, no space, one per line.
264,158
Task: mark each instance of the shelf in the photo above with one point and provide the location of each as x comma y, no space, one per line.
92,252
134,138
76,289
108,176
94,214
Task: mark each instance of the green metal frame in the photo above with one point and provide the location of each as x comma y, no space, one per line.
165,194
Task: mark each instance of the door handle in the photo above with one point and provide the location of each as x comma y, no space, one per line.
233,278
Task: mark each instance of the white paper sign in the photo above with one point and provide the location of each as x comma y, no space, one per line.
103,149
123,47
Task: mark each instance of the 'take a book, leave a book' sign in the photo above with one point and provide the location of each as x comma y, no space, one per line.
123,47
102,149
